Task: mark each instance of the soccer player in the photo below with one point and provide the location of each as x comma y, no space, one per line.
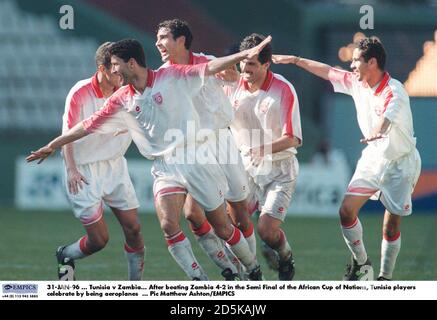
268,131
390,163
174,40
96,173
158,110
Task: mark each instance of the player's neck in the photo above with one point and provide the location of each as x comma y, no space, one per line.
140,80
375,78
182,58
105,86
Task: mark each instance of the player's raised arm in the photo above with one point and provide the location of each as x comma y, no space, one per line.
220,64
71,135
315,67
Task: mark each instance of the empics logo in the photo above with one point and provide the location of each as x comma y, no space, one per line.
20,288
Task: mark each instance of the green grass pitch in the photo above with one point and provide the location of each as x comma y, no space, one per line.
29,240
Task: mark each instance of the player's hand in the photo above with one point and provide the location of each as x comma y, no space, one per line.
374,137
229,75
75,180
282,59
120,131
40,154
256,155
253,52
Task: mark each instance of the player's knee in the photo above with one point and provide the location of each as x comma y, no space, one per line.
265,232
347,213
168,226
133,229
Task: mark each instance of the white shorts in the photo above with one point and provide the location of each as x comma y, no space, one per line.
206,183
271,194
391,181
109,182
233,168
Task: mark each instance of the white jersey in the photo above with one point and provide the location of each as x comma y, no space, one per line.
161,118
212,104
269,113
82,101
388,99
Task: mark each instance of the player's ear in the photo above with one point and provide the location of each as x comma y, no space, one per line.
267,65
101,68
181,41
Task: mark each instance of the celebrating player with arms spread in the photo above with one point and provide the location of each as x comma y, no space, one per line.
390,164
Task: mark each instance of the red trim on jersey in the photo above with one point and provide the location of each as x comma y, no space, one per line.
249,231
267,81
350,225
170,190
383,84
178,237
203,229
387,99
361,190
74,107
287,129
394,238
96,87
132,250
235,237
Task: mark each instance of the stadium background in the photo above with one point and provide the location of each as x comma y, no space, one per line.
40,62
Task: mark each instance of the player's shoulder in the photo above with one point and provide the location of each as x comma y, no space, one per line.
394,88
280,82
202,57
82,87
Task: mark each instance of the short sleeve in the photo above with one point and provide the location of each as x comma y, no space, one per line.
341,80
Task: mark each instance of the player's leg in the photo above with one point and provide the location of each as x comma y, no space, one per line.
168,208
134,247
352,230
391,244
397,186
207,239
234,238
95,239
273,236
239,214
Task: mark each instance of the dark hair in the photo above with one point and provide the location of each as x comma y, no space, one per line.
129,48
252,41
102,56
372,48
178,28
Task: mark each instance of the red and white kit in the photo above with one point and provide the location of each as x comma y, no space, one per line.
159,121
389,167
262,117
215,112
99,158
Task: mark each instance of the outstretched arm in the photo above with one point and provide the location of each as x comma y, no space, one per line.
318,68
71,135
220,64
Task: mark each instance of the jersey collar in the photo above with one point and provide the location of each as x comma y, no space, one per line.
382,84
149,83
190,60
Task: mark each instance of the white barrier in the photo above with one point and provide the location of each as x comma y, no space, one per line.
319,188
